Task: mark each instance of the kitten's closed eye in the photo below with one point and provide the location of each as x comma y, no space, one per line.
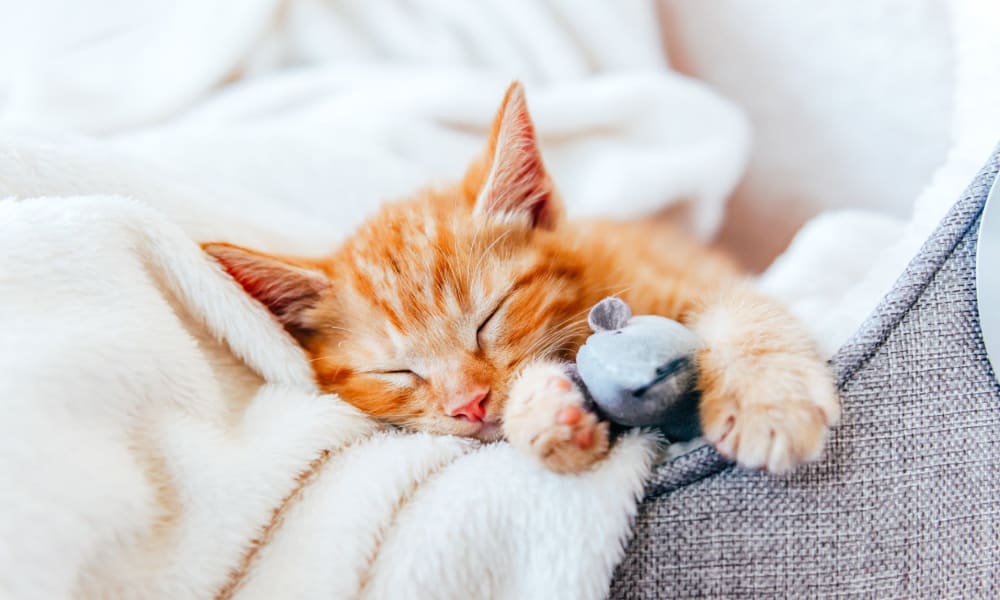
400,377
480,343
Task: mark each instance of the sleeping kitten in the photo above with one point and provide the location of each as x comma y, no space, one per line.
452,312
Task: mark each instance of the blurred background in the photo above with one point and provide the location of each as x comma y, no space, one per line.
758,115
850,104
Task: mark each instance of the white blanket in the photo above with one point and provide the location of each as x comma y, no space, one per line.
161,436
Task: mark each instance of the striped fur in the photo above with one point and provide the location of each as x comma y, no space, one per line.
475,283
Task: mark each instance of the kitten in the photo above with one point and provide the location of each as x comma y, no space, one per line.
453,312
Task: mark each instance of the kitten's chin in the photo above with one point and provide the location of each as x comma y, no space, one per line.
489,431
484,431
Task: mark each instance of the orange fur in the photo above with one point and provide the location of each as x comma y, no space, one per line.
390,320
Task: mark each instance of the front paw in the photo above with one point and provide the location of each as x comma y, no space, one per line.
775,415
547,417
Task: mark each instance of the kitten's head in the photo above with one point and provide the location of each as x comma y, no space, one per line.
425,314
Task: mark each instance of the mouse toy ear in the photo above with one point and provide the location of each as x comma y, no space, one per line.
610,313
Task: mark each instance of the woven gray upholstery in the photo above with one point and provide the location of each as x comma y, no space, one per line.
905,504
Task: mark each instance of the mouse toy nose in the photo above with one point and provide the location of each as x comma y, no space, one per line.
470,405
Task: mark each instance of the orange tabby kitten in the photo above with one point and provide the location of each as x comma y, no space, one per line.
453,312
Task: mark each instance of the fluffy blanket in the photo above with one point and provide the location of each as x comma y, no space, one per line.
161,436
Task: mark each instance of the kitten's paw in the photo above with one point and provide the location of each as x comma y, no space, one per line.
774,416
546,416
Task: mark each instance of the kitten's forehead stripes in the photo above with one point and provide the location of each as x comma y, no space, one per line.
414,284
424,259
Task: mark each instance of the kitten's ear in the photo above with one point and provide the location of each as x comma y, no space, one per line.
287,287
510,181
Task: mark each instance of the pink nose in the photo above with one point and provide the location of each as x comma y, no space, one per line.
471,404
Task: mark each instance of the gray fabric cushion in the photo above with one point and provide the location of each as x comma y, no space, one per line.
905,504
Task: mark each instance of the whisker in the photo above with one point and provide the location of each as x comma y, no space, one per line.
621,291
337,328
472,248
556,337
456,281
320,358
489,248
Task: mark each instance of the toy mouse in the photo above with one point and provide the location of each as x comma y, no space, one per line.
640,371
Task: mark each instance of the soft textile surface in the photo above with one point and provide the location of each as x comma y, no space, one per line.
160,434
843,261
838,94
142,457
905,503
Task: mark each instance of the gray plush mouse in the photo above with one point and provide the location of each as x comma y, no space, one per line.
640,371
